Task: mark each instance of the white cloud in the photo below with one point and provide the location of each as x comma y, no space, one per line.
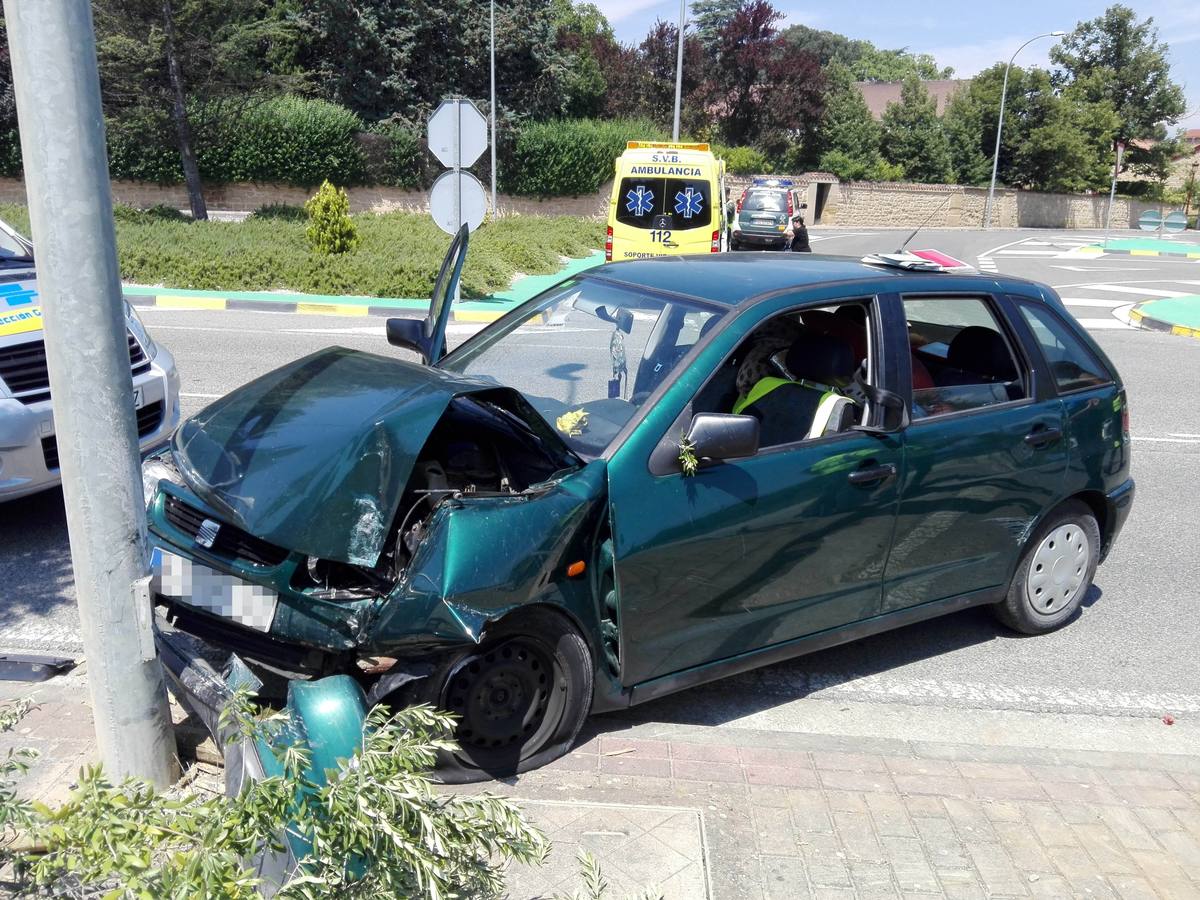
616,10
968,60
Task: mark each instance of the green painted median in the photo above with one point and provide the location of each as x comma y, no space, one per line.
1148,246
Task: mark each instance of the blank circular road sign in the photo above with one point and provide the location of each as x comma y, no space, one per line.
1175,221
458,133
457,197
1150,220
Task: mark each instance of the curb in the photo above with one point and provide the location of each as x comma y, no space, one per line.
1114,251
1141,320
414,309
487,309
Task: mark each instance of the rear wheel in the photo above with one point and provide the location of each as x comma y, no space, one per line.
734,245
521,698
1055,571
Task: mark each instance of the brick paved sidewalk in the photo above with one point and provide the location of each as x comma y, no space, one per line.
793,815
729,813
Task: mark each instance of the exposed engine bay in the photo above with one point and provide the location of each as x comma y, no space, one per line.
479,449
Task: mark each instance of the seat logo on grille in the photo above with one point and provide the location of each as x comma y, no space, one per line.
206,534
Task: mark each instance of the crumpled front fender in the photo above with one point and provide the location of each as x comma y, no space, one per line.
484,557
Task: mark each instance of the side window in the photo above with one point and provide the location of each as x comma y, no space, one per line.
1072,365
961,359
795,374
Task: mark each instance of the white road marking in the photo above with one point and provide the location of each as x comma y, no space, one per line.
1115,268
201,396
1149,293
1171,434
1091,324
819,684
830,237
1092,301
1167,440
1029,253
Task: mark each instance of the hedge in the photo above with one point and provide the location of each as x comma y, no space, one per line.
569,157
398,256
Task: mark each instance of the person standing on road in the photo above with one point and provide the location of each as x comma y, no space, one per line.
800,242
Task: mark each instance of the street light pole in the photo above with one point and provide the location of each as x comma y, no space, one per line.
493,106
991,197
679,70
53,53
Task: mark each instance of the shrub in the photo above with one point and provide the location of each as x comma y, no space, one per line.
569,157
329,227
394,155
289,139
160,213
143,149
280,212
744,161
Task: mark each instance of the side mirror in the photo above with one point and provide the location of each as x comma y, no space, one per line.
804,206
408,334
896,415
720,436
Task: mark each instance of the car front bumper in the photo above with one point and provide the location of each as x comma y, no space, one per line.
29,454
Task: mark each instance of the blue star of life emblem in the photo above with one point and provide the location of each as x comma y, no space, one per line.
640,200
689,203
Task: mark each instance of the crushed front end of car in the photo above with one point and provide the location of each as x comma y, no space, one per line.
357,514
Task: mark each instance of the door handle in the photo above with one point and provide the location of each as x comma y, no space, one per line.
872,474
1042,437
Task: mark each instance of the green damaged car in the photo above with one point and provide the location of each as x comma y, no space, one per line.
654,474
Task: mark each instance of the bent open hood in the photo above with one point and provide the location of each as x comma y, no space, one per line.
315,456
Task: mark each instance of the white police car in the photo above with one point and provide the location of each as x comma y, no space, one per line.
28,449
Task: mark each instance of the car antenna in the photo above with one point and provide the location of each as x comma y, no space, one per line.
900,249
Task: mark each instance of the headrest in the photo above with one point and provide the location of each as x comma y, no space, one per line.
982,350
819,357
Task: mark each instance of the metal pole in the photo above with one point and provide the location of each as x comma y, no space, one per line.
493,107
1112,192
679,70
987,210
66,180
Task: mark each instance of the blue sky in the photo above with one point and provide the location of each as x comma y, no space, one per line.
968,36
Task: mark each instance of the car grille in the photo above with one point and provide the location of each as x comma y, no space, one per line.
231,541
23,368
149,417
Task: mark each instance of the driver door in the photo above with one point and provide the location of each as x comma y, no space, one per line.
427,337
750,552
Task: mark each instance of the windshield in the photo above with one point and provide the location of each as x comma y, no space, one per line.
12,245
771,201
586,355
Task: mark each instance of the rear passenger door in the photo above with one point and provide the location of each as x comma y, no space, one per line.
985,452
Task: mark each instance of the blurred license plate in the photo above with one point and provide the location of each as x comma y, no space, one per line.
199,586
138,398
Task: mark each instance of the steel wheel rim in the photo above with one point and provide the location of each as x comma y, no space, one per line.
508,699
1058,569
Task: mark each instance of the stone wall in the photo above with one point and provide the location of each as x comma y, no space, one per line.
854,204
872,205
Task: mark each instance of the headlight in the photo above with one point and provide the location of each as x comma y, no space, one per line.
154,470
135,324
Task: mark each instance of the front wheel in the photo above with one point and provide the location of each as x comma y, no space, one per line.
1055,571
521,698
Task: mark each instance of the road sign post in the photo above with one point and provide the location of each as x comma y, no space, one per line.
70,206
458,135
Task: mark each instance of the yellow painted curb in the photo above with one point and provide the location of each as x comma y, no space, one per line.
1136,315
191,302
334,309
477,316
1184,331
1143,253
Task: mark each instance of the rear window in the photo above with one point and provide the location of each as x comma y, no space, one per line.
1073,366
672,203
768,201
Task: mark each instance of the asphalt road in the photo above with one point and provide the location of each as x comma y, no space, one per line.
1132,652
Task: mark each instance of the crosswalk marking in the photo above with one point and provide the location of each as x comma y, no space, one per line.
1147,293
1092,301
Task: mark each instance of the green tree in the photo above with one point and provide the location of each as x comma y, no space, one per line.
1117,59
1153,162
186,65
912,135
964,126
865,61
709,18
581,28
847,141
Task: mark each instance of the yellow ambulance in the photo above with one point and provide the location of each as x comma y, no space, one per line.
667,199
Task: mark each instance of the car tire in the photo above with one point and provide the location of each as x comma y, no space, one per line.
1055,571
734,245
521,697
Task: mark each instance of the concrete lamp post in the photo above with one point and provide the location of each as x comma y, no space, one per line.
991,197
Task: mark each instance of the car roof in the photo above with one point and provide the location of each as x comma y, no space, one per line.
733,279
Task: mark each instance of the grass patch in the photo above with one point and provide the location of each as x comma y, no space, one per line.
398,256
